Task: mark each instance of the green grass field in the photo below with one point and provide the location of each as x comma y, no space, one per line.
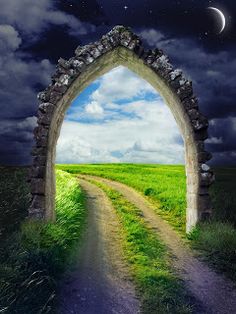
32,257
165,187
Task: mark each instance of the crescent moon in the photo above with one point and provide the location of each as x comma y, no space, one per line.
222,17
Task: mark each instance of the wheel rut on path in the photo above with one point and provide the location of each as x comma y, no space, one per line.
99,283
216,293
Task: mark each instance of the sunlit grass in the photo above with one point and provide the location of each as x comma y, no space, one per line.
165,187
163,184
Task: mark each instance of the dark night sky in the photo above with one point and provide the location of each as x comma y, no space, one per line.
34,34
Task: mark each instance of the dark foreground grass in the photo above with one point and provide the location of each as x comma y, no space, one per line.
33,258
14,199
165,187
217,240
159,288
216,243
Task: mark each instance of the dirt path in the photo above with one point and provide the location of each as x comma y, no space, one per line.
216,293
100,283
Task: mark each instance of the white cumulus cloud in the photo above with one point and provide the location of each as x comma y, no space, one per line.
140,129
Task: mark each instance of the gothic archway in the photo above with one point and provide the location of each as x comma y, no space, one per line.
120,47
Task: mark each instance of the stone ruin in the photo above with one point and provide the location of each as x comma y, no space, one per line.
120,46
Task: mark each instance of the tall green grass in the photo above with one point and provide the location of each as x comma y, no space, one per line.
159,288
33,259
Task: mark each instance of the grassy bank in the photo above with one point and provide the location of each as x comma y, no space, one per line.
33,258
165,186
159,289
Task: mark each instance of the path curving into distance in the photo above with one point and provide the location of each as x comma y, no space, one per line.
216,293
99,283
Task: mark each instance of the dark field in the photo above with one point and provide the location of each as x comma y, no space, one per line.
14,198
223,193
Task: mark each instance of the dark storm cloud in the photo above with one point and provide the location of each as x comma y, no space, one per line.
224,135
18,76
34,34
22,74
213,74
214,77
16,137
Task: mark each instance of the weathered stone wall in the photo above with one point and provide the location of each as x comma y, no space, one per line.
120,47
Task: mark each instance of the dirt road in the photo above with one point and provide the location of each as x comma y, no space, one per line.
216,293
99,283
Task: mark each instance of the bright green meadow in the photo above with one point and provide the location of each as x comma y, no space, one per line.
165,187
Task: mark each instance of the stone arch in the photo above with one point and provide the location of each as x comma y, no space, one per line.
120,47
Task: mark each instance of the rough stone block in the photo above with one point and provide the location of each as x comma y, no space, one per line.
139,51
46,107
40,131
150,58
207,178
190,103
204,202
64,63
185,91
95,52
39,160
203,190
37,213
205,168
204,156
200,122
38,172
201,135
38,201
39,151
106,44
41,141
125,38
54,97
59,88
44,96
135,42
44,118
37,186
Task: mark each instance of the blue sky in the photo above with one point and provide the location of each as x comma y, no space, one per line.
119,118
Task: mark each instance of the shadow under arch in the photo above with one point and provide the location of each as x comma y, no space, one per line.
120,47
